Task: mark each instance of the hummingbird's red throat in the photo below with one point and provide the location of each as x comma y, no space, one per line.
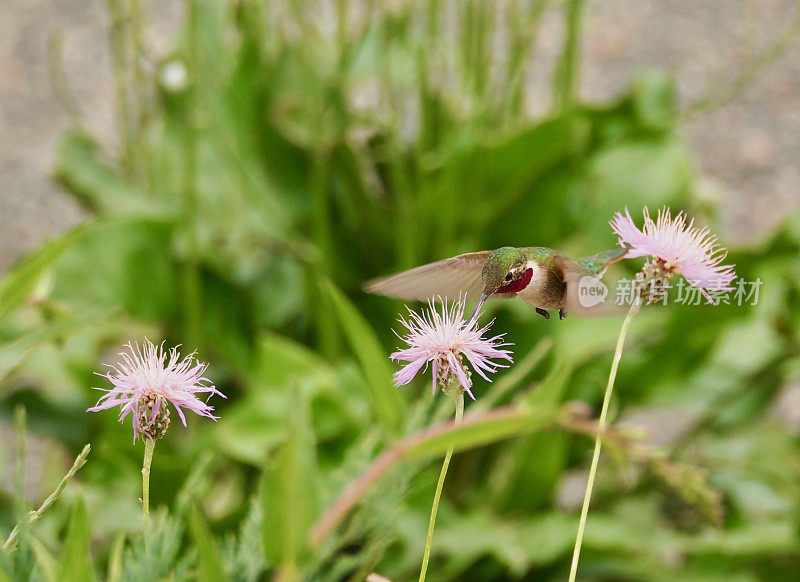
519,284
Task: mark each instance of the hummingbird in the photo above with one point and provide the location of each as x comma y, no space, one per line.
541,276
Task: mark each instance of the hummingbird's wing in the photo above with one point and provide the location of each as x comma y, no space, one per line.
447,278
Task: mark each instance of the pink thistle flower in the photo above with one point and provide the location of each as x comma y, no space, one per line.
444,339
677,248
146,380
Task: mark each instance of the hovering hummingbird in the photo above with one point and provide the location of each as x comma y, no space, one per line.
543,277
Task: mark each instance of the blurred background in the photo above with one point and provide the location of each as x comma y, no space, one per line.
225,174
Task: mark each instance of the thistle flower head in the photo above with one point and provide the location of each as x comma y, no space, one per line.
676,248
444,339
147,379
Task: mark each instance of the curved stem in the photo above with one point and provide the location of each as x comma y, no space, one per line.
601,426
440,485
34,515
149,447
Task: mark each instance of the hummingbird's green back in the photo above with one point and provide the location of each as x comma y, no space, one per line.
596,263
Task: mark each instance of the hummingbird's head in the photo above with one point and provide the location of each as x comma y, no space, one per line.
505,271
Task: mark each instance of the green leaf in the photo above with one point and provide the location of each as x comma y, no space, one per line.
209,560
124,263
746,347
281,360
6,566
653,96
534,464
290,493
22,280
649,172
548,395
515,544
13,353
258,422
45,560
507,166
253,426
76,561
115,559
99,186
491,427
385,400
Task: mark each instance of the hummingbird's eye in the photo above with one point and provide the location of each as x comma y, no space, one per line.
509,276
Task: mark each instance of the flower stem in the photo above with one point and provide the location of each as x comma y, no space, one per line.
440,484
601,426
149,447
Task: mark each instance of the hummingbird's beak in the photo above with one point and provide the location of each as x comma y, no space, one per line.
474,317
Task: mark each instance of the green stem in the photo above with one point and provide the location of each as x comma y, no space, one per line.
601,427
191,281
524,29
567,72
34,515
326,326
149,447
20,507
119,24
440,484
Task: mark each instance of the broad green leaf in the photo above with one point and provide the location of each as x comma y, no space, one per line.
489,428
253,426
76,561
22,280
533,464
13,353
121,263
386,402
755,539
537,463
281,360
548,395
653,97
492,175
650,172
45,560
514,376
6,567
516,544
258,422
582,340
209,560
745,347
290,492
100,187
115,559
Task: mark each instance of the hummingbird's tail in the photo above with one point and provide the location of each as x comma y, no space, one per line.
596,264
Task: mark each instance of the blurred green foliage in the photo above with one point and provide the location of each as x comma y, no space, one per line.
283,154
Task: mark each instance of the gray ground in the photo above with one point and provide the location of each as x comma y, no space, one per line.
748,150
